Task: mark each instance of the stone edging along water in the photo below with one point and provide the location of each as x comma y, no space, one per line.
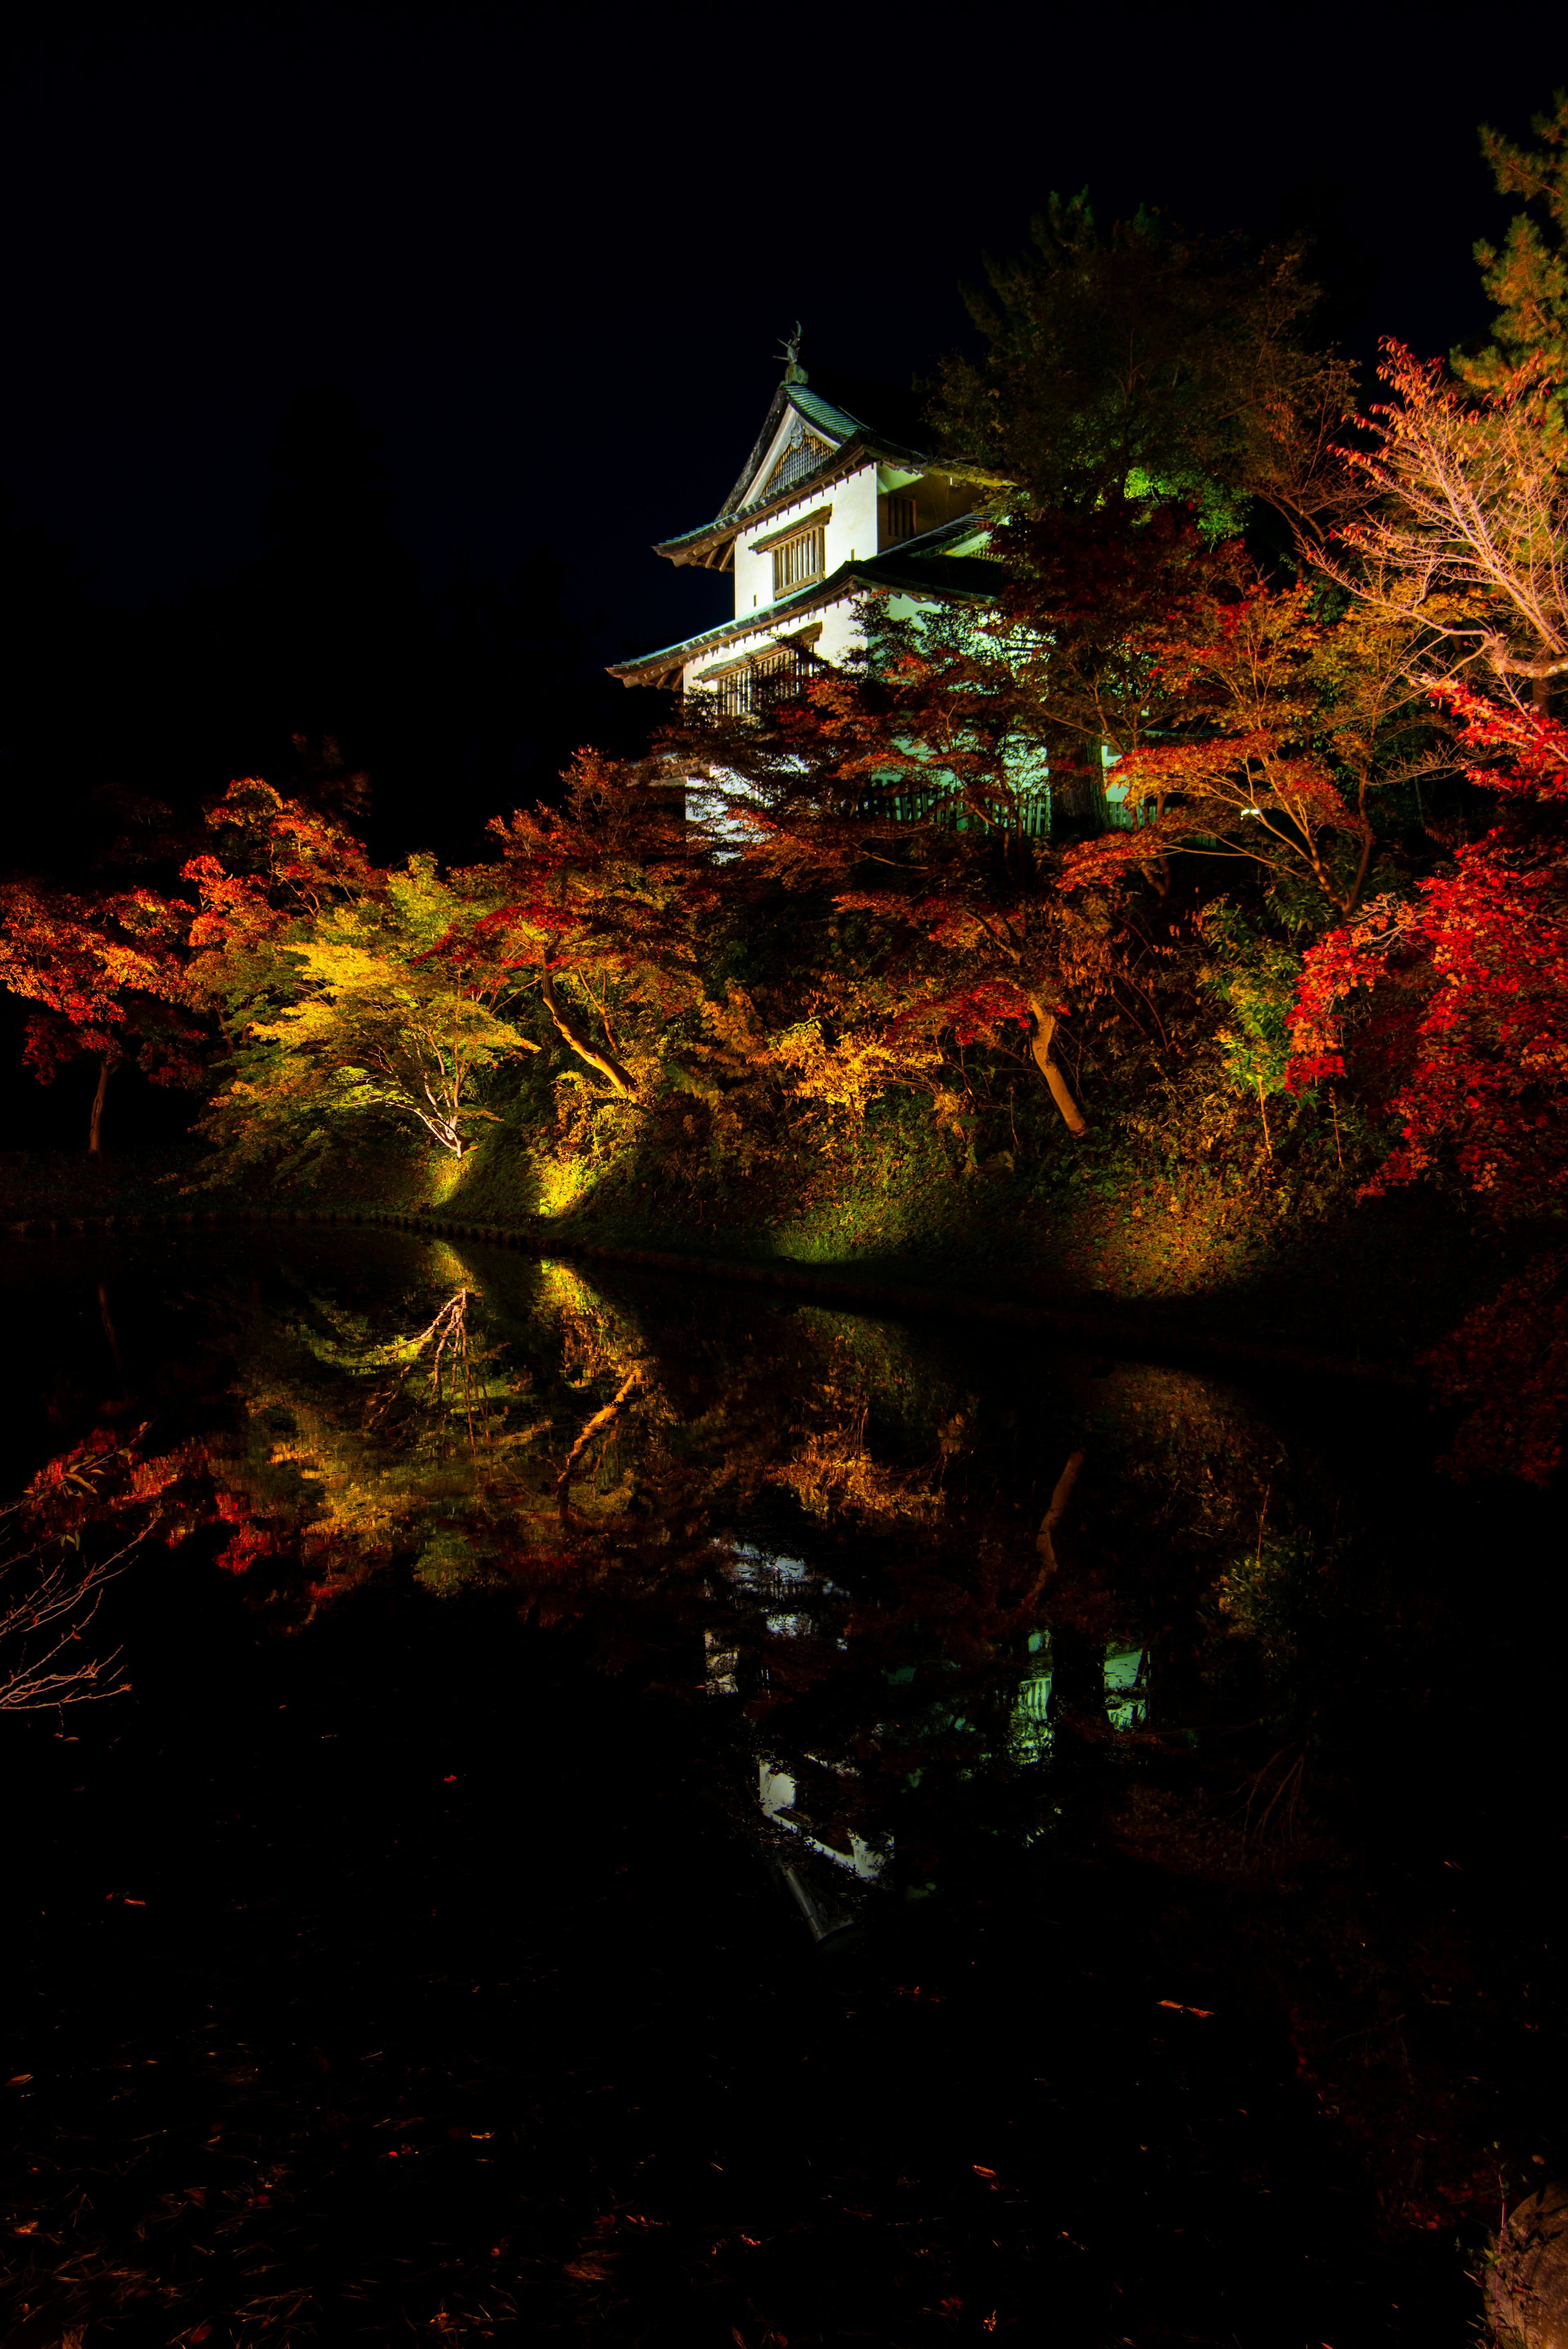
1128,1336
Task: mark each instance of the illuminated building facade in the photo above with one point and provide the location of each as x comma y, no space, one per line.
836,501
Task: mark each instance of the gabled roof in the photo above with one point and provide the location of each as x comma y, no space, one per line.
840,408
919,566
837,409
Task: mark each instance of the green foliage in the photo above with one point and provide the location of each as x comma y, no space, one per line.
1141,363
1254,978
1528,278
350,1014
1271,1596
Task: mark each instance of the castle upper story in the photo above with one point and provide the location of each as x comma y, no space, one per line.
835,501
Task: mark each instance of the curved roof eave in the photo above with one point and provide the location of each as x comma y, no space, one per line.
710,536
934,575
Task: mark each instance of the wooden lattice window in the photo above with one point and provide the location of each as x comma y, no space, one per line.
778,676
801,458
798,559
901,518
767,677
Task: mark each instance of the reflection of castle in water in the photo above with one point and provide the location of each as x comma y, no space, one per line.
1125,1696
776,1791
781,1587
829,1870
824,1873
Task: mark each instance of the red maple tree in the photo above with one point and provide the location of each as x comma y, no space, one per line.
1453,1009
107,973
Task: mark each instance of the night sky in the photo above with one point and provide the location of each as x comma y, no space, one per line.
550,255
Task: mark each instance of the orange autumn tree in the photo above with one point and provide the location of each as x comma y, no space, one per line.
887,819
1466,525
1244,724
597,910
109,974
1283,715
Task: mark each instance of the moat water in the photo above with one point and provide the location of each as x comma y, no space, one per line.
621,1822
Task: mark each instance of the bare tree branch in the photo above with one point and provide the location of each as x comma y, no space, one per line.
1469,538
43,1619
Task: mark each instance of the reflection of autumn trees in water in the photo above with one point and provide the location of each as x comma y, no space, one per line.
826,1538
637,1475
359,1445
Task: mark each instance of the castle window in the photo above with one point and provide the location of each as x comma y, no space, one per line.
799,558
901,518
758,683
745,687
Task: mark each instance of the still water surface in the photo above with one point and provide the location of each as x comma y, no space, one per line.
623,1820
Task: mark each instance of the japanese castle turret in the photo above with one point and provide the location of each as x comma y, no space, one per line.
836,501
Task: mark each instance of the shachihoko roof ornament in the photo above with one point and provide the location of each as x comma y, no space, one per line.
793,372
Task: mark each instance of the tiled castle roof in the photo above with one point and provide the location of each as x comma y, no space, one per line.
838,409
920,566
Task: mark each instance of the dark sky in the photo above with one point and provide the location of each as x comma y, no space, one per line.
552,251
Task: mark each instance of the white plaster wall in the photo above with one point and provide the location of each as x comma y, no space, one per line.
851,531
840,633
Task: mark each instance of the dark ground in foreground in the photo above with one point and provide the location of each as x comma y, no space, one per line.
330,2023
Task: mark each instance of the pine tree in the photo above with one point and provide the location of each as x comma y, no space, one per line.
1528,277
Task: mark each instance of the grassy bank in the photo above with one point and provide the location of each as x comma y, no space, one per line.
1089,1226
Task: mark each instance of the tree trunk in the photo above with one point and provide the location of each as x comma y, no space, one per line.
1078,1648
1527,2284
600,1420
1040,1045
1044,1542
95,1121
572,1032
